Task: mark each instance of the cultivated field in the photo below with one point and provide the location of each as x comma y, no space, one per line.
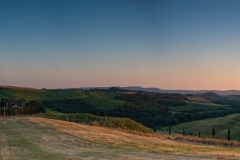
38,138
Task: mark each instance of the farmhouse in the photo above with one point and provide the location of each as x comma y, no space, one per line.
8,103
11,106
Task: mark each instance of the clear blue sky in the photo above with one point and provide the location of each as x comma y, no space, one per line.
170,44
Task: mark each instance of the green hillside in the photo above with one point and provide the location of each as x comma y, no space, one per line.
198,104
150,109
98,99
103,100
199,107
41,94
146,108
90,119
205,126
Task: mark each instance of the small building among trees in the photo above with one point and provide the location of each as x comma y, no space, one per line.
11,106
13,103
14,107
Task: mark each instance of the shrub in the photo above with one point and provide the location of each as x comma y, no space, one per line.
90,119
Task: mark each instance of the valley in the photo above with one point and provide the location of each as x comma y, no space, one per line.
119,124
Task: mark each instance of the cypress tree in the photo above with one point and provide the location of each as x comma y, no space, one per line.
154,129
228,136
213,133
199,134
183,132
170,130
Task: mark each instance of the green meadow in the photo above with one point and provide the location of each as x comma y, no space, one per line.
205,127
41,94
98,99
199,107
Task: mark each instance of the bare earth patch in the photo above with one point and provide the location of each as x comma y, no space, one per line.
5,151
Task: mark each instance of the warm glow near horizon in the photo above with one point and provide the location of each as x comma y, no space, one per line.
148,43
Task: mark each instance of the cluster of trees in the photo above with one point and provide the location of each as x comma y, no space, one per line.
32,107
159,116
232,100
145,108
112,122
213,134
228,101
154,99
149,109
69,106
188,117
147,114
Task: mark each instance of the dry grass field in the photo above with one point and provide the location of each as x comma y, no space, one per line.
39,139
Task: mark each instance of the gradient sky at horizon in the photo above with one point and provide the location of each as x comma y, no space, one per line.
169,44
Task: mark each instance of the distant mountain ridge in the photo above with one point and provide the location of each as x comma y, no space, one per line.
138,88
157,90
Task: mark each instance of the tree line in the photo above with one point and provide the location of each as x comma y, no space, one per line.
213,133
149,109
32,107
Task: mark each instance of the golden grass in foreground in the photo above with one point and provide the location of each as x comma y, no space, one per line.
94,120
100,136
210,141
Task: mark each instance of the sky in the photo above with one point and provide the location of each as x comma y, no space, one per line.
169,44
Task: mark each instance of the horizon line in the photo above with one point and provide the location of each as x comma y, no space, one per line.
36,88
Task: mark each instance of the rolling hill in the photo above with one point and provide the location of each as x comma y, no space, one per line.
98,99
40,94
205,126
149,109
40,138
157,90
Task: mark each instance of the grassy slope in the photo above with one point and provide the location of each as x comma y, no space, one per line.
205,126
90,119
40,94
199,99
100,100
198,104
103,100
193,106
39,138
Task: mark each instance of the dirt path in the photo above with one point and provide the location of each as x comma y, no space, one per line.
5,151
